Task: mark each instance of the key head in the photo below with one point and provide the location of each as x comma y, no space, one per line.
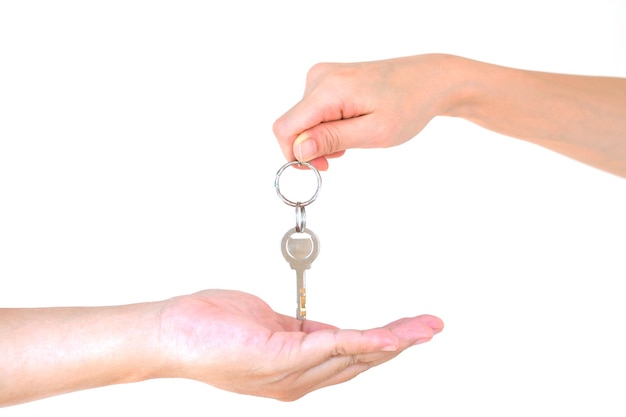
300,248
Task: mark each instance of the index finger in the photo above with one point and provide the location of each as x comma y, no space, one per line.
314,108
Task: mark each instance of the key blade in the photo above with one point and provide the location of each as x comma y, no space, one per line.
300,249
300,293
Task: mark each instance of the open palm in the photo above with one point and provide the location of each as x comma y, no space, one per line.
235,341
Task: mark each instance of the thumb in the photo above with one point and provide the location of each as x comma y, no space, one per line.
331,139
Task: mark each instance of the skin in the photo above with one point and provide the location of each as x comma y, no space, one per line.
228,339
386,103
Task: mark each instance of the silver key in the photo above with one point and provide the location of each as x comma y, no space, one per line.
300,249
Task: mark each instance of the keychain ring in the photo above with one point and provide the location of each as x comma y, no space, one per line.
300,218
285,199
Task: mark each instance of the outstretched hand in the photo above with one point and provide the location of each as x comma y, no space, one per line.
235,341
228,339
385,103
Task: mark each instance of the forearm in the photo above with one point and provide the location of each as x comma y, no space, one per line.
50,351
583,117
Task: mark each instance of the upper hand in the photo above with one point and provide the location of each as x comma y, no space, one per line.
362,105
235,341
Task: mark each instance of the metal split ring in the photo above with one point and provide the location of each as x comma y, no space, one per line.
300,218
292,203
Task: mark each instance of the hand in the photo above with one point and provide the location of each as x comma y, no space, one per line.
363,105
228,339
235,341
385,103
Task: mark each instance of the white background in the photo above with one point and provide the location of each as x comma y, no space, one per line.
137,163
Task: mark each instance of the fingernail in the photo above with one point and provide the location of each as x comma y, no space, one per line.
305,148
390,348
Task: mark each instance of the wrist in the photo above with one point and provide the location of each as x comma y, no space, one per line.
141,350
461,83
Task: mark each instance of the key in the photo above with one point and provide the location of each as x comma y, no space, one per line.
300,249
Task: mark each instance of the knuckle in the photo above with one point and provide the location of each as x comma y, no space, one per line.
331,139
317,71
287,398
289,394
279,127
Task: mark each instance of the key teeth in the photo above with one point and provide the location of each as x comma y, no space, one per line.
302,305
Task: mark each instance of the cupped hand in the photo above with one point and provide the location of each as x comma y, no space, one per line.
235,341
363,105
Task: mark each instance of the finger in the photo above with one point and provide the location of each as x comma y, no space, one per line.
291,324
335,356
394,336
335,137
330,343
409,328
312,110
335,370
345,364
335,155
323,342
331,371
322,163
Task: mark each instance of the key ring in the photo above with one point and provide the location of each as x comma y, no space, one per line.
285,199
300,218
